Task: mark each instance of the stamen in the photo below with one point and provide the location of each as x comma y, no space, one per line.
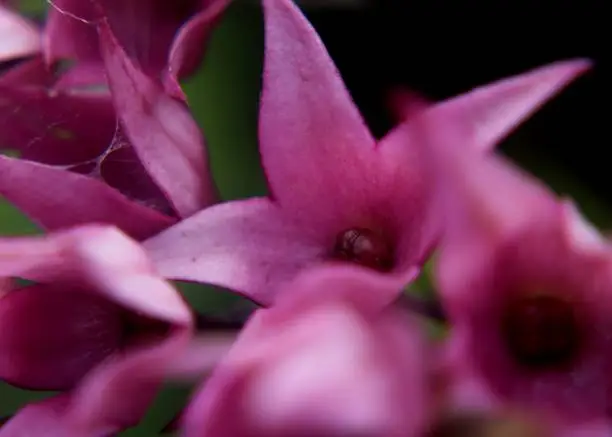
365,247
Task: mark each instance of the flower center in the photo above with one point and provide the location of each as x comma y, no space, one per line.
365,247
541,332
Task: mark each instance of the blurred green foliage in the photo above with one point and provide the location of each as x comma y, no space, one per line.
224,97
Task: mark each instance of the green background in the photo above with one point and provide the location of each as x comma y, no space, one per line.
223,97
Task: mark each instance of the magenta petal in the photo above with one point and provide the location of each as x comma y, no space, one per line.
88,76
32,72
247,246
492,111
50,336
70,31
56,198
315,146
161,130
18,37
55,128
189,45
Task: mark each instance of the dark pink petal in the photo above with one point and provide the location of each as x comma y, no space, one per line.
161,130
70,31
32,72
18,37
247,246
55,128
55,198
315,147
84,76
51,336
189,45
492,111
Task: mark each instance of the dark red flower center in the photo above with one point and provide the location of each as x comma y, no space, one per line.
365,247
541,331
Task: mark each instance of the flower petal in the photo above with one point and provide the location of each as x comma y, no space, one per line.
48,196
30,72
70,31
51,335
314,144
161,130
18,37
55,128
492,111
189,45
247,246
41,418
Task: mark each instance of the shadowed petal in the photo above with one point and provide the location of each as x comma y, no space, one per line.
161,130
18,37
30,72
189,45
315,146
77,330
247,246
55,128
41,418
56,198
88,76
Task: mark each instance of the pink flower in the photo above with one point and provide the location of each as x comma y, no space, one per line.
98,324
134,158
527,286
337,193
332,359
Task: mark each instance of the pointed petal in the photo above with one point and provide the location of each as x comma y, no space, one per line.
189,45
247,246
161,130
18,37
493,111
56,198
314,144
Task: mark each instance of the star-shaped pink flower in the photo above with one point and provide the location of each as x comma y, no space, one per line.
336,192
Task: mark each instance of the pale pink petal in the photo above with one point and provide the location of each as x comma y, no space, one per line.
55,198
18,37
247,246
161,130
189,45
315,147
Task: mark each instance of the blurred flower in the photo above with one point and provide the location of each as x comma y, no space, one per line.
527,287
18,36
97,324
133,157
331,359
337,194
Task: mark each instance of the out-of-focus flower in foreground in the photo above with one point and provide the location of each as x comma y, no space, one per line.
527,286
332,359
97,324
336,193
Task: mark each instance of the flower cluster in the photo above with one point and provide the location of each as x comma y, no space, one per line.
119,180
